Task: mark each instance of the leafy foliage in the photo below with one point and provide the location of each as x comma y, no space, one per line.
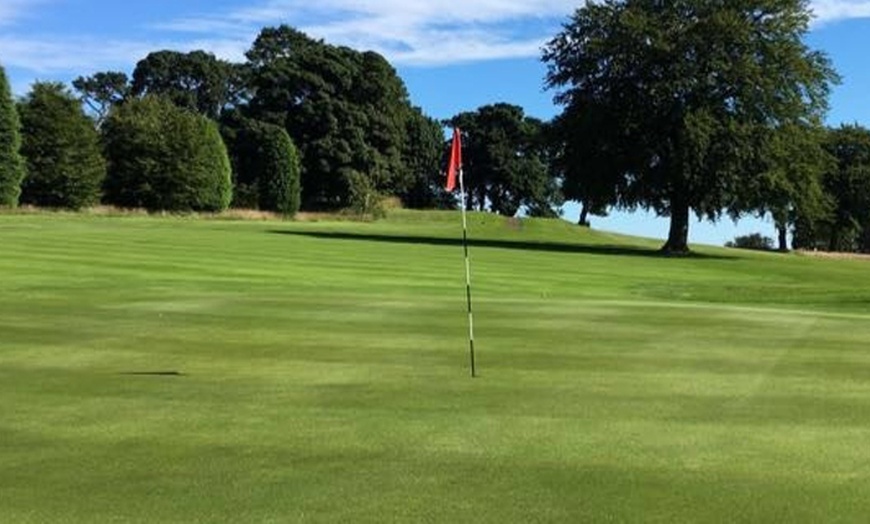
265,165
755,241
505,162
346,110
101,91
197,80
364,198
585,166
12,167
162,157
846,185
65,167
791,185
684,94
424,159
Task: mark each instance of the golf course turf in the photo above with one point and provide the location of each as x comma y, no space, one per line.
171,369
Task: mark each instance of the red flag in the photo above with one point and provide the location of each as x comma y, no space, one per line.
455,160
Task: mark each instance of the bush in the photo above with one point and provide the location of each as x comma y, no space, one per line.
266,167
11,164
365,200
163,158
65,167
755,241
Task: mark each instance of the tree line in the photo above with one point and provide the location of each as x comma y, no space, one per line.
301,124
683,107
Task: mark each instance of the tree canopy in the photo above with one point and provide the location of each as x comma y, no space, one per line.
791,185
685,93
266,168
12,168
162,157
101,91
196,80
346,111
846,186
424,159
65,166
504,159
587,167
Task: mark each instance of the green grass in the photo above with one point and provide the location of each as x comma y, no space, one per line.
324,375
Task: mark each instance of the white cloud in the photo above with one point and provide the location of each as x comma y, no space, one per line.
44,55
827,11
408,32
83,55
421,32
411,32
13,10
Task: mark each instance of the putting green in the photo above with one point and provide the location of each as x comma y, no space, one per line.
187,370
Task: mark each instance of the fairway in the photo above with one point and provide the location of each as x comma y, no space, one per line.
190,370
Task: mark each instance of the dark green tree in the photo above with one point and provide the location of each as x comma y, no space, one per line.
12,168
847,185
581,160
385,106
346,110
692,89
791,186
505,161
266,166
162,157
101,91
65,167
424,160
755,241
196,80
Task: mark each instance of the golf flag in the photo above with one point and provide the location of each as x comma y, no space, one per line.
455,160
454,168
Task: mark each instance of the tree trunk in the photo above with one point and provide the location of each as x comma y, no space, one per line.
678,236
783,238
584,216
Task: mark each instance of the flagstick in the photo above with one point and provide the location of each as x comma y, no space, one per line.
467,274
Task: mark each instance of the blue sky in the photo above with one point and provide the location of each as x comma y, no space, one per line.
453,58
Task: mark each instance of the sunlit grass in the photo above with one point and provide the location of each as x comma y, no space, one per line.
187,370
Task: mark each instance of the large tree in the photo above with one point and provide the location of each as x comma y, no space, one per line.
585,167
102,91
505,161
791,185
196,80
11,164
65,167
345,109
692,89
424,159
846,184
162,157
266,169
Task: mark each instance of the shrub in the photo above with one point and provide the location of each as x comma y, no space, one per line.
266,167
755,241
164,158
65,167
365,200
11,164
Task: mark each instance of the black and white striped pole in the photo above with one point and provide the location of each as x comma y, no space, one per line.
467,275
452,170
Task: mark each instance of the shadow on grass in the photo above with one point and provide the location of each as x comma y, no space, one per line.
152,373
553,247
